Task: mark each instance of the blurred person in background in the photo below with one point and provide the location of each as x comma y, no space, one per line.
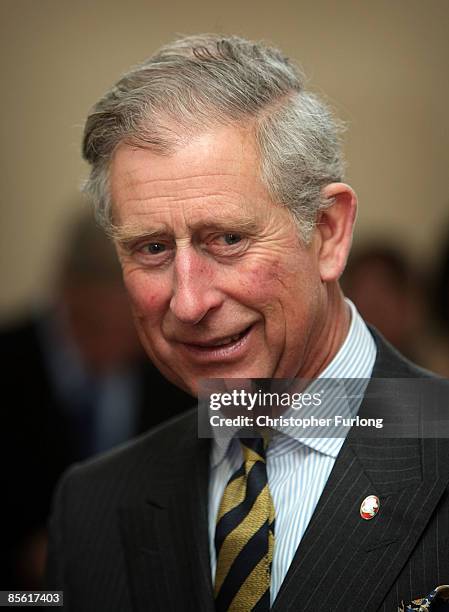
437,342
389,295
77,385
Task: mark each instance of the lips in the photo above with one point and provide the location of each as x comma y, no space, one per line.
210,344
222,349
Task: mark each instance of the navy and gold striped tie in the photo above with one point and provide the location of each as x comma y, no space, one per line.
244,536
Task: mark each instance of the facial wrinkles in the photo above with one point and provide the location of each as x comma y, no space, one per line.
271,240
215,185
269,283
182,215
132,178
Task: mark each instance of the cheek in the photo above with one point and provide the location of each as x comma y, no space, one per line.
148,295
270,282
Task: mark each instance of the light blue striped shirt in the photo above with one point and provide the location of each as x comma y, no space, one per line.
297,468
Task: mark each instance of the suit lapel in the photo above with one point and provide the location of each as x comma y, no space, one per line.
343,561
165,534
343,558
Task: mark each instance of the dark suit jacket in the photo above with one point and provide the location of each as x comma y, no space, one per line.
130,529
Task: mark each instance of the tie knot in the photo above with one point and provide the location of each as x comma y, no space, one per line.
254,449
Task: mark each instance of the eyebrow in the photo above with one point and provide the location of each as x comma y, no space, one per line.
127,233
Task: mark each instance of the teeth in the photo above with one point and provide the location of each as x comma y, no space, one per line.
228,340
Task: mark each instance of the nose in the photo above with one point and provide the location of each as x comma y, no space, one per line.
194,291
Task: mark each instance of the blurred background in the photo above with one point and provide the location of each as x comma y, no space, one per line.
382,66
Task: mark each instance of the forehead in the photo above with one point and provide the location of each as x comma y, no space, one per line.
216,172
205,152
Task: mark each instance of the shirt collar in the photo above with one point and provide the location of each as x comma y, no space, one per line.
355,360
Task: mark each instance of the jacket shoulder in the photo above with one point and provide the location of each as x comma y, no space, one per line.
390,363
121,469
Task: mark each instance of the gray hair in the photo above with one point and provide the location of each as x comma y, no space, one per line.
198,82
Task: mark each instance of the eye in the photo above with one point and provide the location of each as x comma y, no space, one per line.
229,245
154,248
232,238
152,254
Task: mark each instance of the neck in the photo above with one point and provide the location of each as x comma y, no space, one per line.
332,329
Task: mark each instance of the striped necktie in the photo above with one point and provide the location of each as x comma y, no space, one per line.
244,535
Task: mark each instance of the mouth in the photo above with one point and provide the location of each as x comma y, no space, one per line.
219,348
226,341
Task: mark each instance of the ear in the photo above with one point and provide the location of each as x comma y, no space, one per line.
334,228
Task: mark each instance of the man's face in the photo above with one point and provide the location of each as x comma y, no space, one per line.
220,285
